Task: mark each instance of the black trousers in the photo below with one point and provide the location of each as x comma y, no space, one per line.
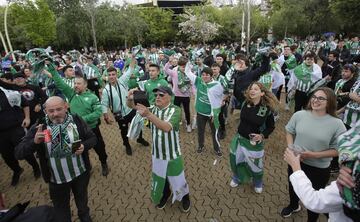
278,93
301,100
9,139
60,196
222,116
124,126
201,121
318,177
100,145
185,101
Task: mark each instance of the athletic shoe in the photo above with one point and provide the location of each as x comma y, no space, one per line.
128,149
142,142
233,183
104,169
186,204
288,211
193,125
16,177
200,149
258,189
218,153
162,203
188,128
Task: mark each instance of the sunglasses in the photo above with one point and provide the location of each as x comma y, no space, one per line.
160,94
320,98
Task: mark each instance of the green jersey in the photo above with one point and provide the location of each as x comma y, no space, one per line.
86,104
149,85
166,145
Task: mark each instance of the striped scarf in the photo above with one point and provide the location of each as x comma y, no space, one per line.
246,160
174,171
349,155
63,135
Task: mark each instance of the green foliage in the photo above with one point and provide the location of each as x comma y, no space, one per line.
67,24
35,20
159,25
347,11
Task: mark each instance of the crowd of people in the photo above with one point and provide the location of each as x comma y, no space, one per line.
52,103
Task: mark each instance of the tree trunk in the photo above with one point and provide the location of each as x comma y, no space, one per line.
6,31
92,16
4,43
243,23
248,28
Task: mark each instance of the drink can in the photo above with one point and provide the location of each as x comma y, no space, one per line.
47,136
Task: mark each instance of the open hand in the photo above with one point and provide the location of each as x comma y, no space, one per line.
39,135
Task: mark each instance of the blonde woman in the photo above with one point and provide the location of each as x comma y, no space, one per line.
247,147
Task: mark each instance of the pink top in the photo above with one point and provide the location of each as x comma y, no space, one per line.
173,73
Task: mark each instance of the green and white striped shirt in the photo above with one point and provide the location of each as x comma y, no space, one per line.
154,58
120,89
166,145
70,82
64,165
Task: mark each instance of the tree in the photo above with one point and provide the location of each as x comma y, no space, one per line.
159,25
36,21
72,24
197,27
348,13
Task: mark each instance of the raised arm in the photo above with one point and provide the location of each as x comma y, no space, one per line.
60,84
189,73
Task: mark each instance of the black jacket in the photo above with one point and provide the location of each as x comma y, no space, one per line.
10,117
27,146
242,79
344,55
332,69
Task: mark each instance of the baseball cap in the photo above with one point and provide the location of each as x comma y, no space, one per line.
164,89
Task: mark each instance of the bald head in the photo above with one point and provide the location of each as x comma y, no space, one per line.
56,109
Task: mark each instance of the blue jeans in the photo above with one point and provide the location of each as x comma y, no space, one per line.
256,183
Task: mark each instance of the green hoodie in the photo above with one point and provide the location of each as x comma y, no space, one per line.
86,104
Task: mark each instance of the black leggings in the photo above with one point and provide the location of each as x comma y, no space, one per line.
318,177
185,101
124,126
9,139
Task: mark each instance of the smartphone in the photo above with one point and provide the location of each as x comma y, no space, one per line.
141,97
75,145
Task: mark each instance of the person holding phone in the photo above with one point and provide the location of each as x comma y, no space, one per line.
62,142
167,161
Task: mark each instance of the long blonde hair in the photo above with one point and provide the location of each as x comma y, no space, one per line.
268,99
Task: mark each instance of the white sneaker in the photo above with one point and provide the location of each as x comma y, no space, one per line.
193,125
287,108
258,189
188,128
233,184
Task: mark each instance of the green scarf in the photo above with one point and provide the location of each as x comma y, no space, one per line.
183,82
62,136
303,72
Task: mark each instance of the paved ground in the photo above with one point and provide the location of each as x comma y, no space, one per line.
125,194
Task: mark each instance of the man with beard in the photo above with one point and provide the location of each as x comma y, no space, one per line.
62,141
